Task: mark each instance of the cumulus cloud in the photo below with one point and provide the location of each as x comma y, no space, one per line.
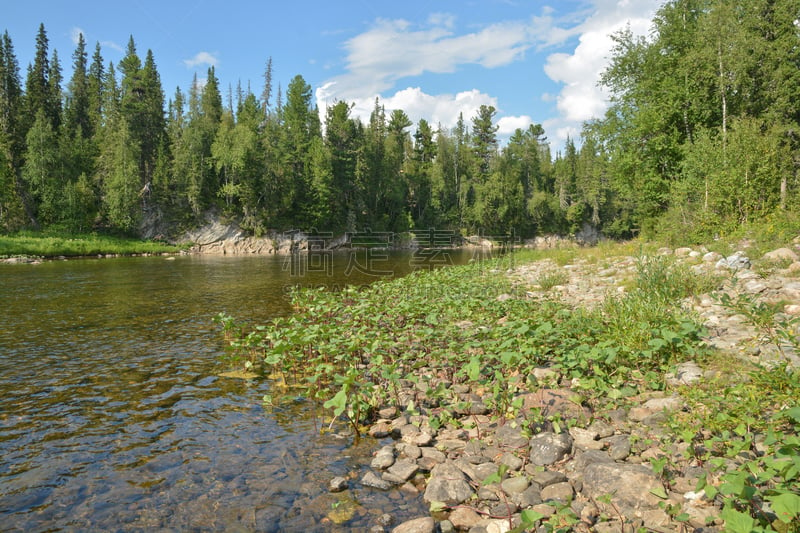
506,126
201,58
579,71
389,51
394,49
437,109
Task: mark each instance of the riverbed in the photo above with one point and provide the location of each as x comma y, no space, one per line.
114,416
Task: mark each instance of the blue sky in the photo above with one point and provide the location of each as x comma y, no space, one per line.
534,61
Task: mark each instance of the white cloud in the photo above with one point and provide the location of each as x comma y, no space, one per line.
113,46
506,126
579,71
201,58
393,49
75,33
437,109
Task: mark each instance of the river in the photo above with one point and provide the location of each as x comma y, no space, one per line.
113,415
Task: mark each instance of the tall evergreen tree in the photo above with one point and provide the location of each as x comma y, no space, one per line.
38,89
300,125
12,208
343,138
77,110
484,139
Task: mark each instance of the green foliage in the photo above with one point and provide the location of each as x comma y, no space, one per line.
352,350
699,141
55,244
777,329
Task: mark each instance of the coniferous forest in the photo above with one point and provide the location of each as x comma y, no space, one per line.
702,135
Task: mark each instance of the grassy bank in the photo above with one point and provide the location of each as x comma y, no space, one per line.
35,244
356,351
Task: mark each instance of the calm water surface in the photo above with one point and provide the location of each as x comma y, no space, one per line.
113,416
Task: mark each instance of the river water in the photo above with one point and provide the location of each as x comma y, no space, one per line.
113,416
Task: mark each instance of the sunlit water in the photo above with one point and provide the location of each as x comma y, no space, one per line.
113,416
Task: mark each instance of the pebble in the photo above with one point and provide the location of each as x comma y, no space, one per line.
338,484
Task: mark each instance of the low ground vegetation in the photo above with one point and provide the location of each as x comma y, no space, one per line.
55,244
418,343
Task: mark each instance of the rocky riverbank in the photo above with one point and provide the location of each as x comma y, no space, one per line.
588,467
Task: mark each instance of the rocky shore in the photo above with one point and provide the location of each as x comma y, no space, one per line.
596,467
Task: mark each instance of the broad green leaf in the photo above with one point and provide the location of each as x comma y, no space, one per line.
660,492
530,517
737,522
786,506
338,403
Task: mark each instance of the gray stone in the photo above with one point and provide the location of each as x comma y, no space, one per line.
712,257
418,525
754,287
585,439
602,428
619,447
511,461
548,477
686,374
446,526
338,484
412,451
549,448
515,485
464,518
735,262
489,493
447,484
370,479
560,492
504,508
384,458
403,469
473,407
510,437
476,472
434,454
781,254
628,485
588,457
529,497
420,439
671,403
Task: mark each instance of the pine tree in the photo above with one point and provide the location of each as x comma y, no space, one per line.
12,209
300,125
77,113
484,139
95,82
38,95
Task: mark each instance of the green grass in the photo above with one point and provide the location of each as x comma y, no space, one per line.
61,244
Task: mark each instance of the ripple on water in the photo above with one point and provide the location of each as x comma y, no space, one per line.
112,416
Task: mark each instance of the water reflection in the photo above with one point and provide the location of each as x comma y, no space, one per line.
112,416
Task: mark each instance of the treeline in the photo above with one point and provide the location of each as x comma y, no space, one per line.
701,137
104,151
703,132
